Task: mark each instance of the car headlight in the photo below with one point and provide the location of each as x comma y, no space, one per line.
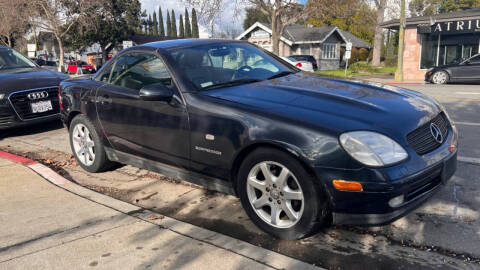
2,96
372,149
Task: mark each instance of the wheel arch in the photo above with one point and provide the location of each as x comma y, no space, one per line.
248,149
70,117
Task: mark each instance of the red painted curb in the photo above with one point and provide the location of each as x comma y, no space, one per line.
17,159
47,173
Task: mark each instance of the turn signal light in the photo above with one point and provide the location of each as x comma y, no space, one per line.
451,148
347,185
60,98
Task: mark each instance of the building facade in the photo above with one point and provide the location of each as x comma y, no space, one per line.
438,40
323,43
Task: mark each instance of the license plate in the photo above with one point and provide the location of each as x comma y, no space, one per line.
42,106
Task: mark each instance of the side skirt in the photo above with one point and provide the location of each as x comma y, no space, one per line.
171,171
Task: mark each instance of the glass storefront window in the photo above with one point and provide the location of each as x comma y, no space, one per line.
428,57
452,49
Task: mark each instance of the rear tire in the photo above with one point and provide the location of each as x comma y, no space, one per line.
287,204
87,146
440,77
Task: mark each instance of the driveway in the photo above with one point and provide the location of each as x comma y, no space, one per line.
443,234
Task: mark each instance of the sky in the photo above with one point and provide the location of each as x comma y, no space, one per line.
229,18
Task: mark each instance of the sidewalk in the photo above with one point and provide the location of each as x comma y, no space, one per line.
57,224
387,79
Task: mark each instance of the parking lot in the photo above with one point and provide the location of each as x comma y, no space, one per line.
442,234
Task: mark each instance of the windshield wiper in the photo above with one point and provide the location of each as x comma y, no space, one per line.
281,74
231,83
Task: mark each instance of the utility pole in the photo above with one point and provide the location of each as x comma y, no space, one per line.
401,40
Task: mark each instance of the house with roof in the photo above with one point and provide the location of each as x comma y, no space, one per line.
324,43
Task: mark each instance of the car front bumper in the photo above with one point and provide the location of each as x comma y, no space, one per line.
9,119
416,180
416,190
428,76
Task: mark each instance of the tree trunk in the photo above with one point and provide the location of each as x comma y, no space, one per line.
378,39
401,40
9,41
276,34
60,48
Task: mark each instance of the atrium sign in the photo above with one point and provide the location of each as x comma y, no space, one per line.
456,27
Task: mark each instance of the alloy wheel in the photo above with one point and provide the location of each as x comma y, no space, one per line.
275,194
440,77
83,144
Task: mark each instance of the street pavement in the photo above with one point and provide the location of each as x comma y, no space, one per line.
443,234
45,226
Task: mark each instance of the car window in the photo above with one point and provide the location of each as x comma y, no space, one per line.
475,60
137,70
218,64
12,59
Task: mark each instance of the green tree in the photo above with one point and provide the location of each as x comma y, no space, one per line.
149,25
155,23
195,33
352,16
188,26
457,5
161,29
181,29
174,24
169,25
110,22
254,15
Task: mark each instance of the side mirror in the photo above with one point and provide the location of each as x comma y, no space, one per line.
467,62
156,92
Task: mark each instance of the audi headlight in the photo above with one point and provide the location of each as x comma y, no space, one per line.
372,149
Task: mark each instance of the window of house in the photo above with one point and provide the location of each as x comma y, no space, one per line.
260,34
305,49
330,51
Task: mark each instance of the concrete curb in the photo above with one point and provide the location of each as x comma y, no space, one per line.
266,257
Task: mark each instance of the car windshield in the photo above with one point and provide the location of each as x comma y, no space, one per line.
12,59
221,65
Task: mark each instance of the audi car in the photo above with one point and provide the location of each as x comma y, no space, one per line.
299,150
467,71
28,93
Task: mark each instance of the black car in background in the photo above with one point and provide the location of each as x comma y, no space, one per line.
307,58
46,64
298,149
28,93
467,71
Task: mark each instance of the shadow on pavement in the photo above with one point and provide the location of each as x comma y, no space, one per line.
31,129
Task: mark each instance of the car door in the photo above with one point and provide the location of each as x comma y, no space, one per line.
471,69
155,130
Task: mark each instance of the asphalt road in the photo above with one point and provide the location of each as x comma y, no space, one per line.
443,234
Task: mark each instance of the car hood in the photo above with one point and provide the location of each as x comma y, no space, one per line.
336,105
12,80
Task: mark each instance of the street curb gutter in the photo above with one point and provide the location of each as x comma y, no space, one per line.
266,257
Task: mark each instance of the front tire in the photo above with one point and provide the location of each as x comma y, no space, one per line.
440,77
87,146
280,196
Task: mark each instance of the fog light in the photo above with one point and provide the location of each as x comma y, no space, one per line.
347,185
397,201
